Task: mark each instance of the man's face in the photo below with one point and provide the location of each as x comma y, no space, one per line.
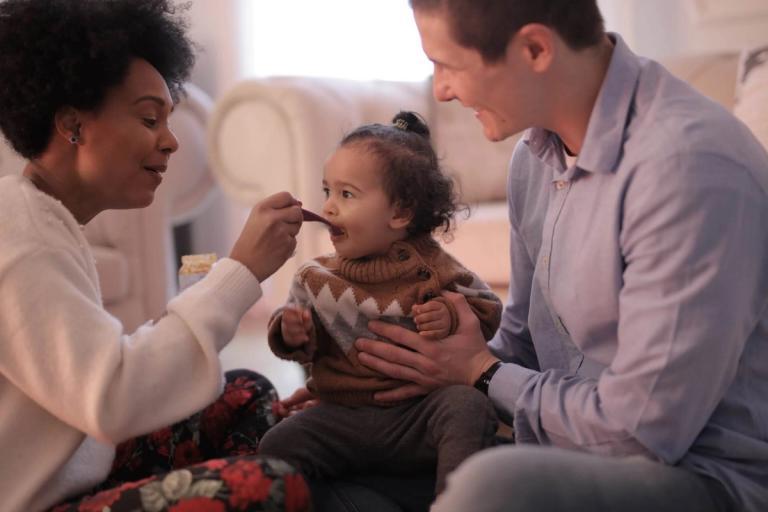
501,94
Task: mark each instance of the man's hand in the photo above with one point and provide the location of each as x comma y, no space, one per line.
458,359
269,235
433,319
301,399
296,326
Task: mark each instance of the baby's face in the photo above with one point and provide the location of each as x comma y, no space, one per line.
357,204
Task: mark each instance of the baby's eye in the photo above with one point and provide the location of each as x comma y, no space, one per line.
346,194
326,192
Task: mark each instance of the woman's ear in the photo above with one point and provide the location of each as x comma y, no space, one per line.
401,217
67,123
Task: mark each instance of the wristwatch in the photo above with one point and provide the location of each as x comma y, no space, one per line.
484,380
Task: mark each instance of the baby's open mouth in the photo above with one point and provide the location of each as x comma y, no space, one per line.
312,216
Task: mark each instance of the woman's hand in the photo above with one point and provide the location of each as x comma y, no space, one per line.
457,359
301,399
268,238
296,326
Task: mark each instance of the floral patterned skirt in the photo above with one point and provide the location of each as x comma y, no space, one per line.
207,462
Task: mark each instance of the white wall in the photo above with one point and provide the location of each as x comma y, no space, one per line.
215,27
663,28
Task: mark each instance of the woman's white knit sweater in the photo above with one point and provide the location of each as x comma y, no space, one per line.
72,382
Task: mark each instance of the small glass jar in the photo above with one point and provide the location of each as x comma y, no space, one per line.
194,267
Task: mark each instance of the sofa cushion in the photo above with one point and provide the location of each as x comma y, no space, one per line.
752,91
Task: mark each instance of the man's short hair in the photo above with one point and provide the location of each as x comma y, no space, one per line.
488,25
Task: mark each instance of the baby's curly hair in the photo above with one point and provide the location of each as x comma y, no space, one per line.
412,175
56,53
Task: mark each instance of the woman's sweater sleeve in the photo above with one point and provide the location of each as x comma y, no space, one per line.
63,350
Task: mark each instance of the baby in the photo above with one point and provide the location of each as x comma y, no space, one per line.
386,195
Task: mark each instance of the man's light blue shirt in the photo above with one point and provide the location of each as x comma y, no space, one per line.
638,299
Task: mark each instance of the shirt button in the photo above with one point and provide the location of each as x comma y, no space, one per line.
560,185
545,260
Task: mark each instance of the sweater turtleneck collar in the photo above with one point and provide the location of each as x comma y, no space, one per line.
401,258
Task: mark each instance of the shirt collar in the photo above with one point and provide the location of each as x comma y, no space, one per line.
608,121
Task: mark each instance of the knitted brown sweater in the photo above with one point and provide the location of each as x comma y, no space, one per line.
345,294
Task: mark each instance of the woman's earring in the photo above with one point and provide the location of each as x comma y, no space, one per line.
74,139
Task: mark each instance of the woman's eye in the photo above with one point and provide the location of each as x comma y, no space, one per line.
150,122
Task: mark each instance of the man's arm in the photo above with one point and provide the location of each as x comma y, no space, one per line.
693,242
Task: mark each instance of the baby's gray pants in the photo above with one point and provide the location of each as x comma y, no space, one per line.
439,430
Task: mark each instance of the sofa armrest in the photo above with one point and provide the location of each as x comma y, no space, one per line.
274,134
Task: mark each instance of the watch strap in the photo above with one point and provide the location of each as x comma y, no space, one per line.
484,380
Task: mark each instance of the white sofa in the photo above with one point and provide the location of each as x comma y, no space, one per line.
275,133
134,248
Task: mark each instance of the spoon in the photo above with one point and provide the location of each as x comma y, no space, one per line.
312,216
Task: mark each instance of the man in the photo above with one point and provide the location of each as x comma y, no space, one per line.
631,358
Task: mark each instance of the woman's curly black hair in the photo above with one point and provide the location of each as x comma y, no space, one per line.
56,53
412,175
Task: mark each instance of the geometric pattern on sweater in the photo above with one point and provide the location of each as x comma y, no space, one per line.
347,294
343,317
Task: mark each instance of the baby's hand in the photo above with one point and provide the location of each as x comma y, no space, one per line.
433,320
296,326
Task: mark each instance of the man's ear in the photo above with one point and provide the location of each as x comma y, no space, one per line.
67,121
401,218
537,44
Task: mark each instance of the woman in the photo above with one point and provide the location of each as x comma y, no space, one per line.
86,91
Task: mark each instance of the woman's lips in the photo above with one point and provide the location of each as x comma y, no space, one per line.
155,174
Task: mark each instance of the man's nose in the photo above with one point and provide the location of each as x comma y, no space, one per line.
440,87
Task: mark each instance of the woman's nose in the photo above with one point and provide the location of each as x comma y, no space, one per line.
168,141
